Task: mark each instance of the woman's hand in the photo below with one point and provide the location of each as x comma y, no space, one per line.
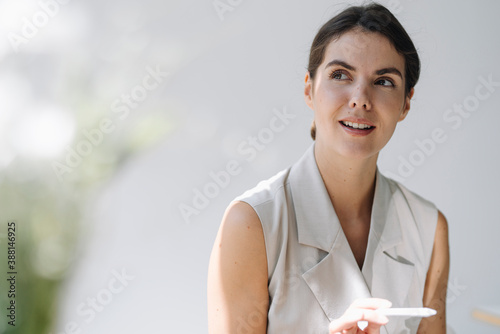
361,310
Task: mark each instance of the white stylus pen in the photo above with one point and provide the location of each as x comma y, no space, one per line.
423,312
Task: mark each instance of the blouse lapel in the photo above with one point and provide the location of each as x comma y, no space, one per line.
388,272
336,280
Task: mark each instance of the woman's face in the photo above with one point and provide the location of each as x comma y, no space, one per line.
358,94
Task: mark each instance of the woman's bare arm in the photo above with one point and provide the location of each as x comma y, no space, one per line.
238,297
437,281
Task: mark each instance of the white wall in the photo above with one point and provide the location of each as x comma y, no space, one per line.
226,78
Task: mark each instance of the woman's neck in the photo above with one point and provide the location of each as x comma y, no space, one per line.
350,183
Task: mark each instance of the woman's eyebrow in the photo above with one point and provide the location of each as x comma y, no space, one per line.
390,70
341,63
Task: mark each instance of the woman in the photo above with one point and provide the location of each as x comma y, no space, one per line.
324,243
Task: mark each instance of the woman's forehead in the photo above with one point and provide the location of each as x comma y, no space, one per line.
364,50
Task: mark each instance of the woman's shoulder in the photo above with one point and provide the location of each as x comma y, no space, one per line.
274,188
266,190
412,198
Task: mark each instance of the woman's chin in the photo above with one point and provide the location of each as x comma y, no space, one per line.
357,152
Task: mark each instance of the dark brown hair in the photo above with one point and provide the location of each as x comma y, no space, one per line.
374,18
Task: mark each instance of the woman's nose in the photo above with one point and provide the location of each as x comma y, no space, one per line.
360,97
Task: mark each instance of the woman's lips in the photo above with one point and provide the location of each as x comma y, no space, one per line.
357,129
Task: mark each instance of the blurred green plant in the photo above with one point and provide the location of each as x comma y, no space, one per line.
49,212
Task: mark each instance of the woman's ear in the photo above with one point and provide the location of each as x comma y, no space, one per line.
308,90
406,107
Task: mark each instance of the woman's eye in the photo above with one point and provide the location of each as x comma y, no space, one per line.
339,75
385,82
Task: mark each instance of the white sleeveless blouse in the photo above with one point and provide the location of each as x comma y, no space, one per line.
313,275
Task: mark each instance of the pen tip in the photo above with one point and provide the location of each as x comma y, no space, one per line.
430,311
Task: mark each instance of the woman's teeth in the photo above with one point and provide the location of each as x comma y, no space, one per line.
356,125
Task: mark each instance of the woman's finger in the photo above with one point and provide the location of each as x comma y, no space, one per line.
361,310
351,317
